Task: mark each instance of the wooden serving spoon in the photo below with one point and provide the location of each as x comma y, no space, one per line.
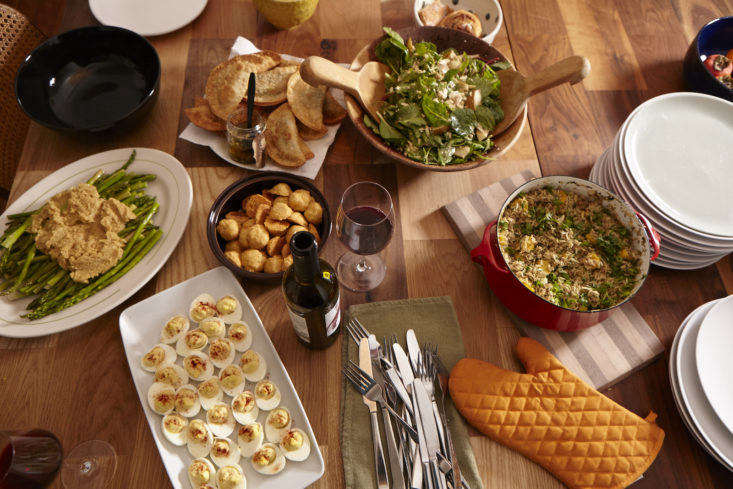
516,88
366,85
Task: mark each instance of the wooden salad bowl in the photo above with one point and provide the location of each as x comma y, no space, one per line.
443,38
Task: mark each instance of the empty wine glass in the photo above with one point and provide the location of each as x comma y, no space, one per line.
364,224
31,459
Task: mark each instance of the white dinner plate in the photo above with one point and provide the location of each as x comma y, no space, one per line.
174,192
714,357
677,147
705,423
140,327
147,18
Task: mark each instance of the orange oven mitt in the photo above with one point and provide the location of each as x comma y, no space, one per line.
552,417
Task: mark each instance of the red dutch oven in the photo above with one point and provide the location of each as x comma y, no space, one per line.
534,309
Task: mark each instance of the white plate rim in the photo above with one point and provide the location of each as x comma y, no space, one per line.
100,18
220,273
146,269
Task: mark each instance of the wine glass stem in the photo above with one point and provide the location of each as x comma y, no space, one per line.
362,266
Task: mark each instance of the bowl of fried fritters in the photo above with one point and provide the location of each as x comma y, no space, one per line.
250,224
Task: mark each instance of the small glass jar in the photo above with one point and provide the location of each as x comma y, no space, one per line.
246,144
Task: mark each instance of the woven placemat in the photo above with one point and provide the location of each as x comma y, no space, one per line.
600,355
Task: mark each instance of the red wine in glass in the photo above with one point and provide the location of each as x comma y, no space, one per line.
28,459
365,230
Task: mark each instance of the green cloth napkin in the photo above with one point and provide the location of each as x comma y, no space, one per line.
434,321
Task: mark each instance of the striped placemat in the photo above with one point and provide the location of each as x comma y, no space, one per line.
601,355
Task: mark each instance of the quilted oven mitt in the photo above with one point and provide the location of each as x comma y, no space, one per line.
551,416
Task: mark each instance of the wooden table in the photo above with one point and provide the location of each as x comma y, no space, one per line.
77,383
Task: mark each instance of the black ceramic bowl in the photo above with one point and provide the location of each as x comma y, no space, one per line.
231,200
716,37
89,80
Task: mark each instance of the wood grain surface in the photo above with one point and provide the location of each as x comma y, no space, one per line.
77,383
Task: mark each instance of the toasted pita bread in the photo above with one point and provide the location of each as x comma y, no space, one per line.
227,82
462,20
434,12
283,143
333,112
309,134
306,102
200,115
272,85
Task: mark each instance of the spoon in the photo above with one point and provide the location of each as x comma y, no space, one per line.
516,88
366,85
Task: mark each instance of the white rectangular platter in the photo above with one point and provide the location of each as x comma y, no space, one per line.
140,327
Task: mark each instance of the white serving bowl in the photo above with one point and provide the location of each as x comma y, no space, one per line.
488,11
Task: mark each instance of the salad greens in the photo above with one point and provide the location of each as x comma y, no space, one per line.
440,108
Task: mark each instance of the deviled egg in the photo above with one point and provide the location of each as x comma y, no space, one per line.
171,374
229,309
224,452
249,438
244,408
268,459
158,355
187,401
240,336
277,424
210,392
296,445
221,352
220,420
174,428
193,341
230,477
213,328
198,366
253,366
202,307
174,329
201,472
267,395
231,379
198,438
161,397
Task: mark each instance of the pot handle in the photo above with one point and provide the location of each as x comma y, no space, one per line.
487,252
655,241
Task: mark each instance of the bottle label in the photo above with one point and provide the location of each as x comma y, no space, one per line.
332,320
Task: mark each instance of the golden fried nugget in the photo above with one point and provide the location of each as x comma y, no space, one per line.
280,211
276,228
280,198
299,200
295,228
243,238
312,229
258,237
252,202
314,212
238,216
282,189
297,218
228,229
233,246
275,245
261,213
286,249
287,262
234,257
253,260
274,264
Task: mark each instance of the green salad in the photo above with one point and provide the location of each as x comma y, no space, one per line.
440,108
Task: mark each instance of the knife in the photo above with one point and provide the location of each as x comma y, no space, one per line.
405,370
413,349
430,433
365,363
394,379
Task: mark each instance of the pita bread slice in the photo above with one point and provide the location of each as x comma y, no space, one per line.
333,112
282,140
200,115
227,82
306,101
272,85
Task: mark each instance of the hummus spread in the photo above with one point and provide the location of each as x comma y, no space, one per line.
79,230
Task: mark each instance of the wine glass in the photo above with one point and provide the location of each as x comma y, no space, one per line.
364,224
31,459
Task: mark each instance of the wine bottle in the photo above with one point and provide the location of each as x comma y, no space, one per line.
311,291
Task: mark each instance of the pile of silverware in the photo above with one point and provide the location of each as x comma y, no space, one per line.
409,390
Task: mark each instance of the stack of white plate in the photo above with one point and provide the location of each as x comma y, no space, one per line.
700,367
672,161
